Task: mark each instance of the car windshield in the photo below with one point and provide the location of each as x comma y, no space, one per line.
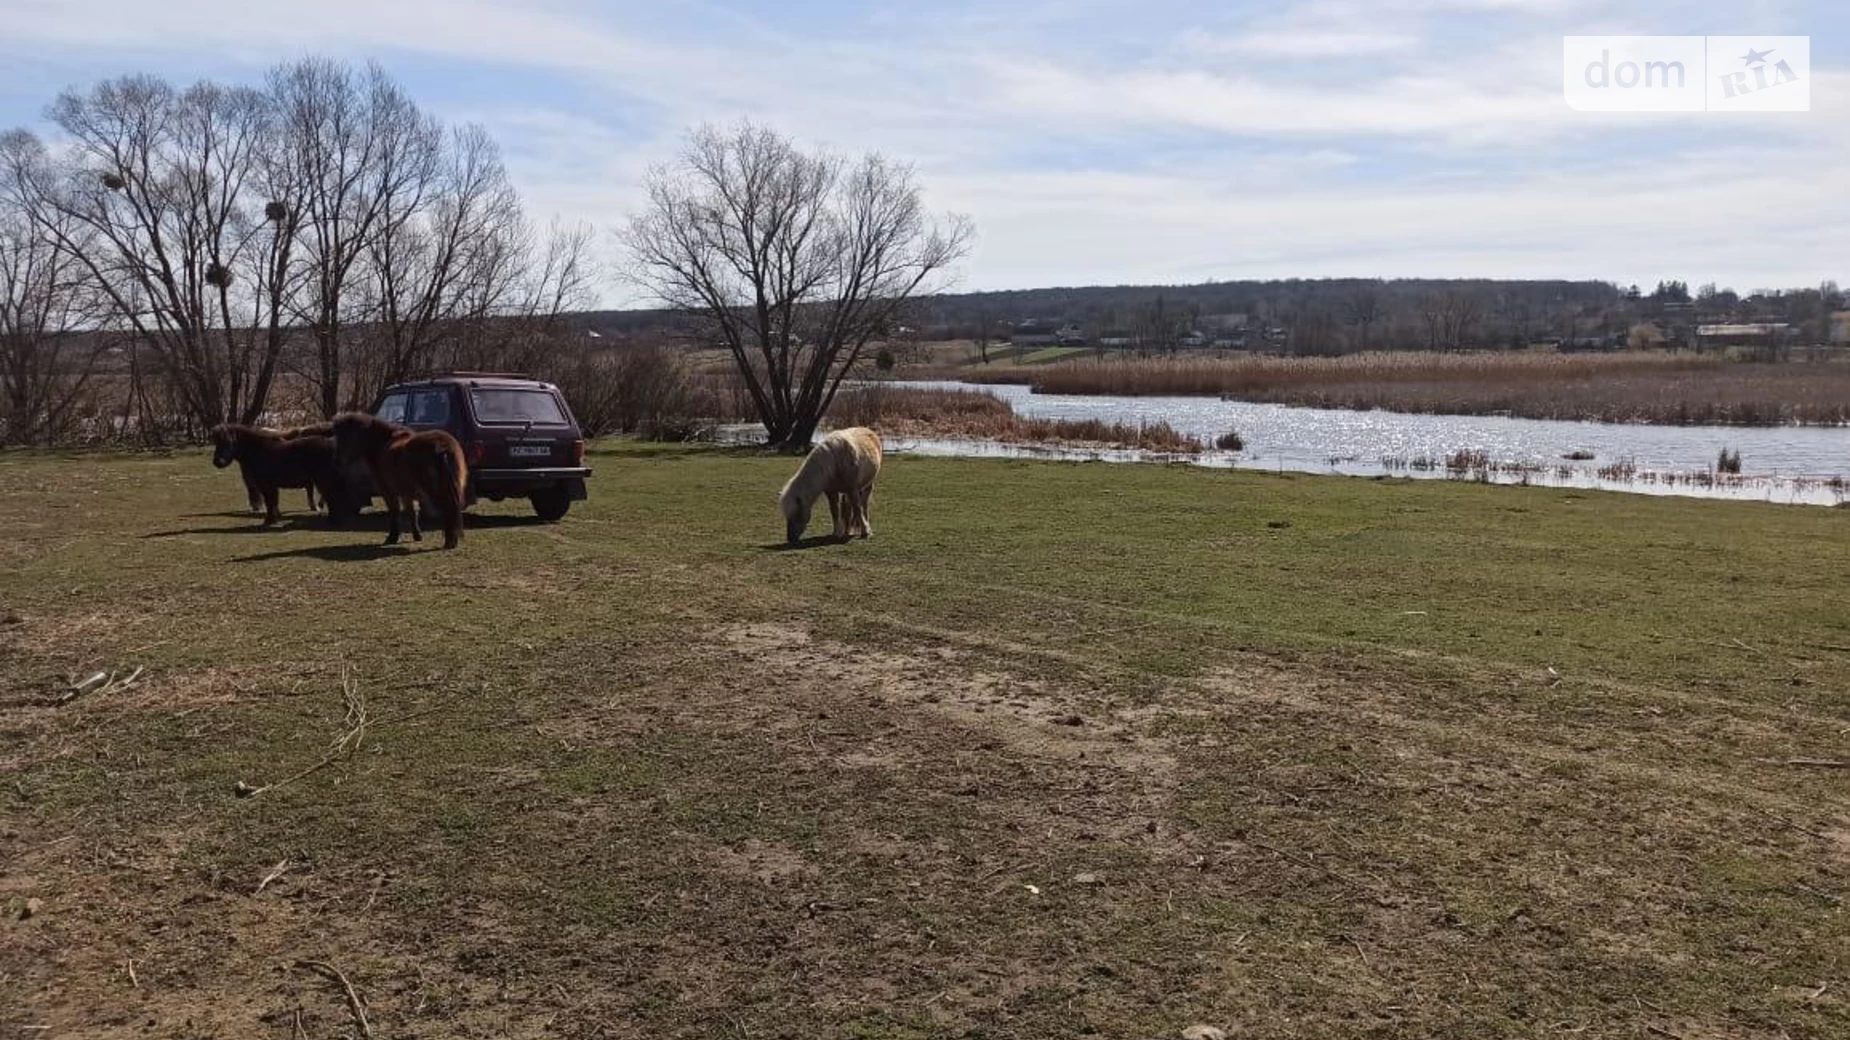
501,405
392,409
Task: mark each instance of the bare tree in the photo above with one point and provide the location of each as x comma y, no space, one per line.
1450,317
1517,314
364,162
555,278
156,197
1361,311
1160,327
796,261
1313,331
1467,310
50,334
443,261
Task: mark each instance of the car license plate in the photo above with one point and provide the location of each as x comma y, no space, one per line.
529,451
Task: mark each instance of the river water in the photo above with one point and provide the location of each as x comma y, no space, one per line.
1793,464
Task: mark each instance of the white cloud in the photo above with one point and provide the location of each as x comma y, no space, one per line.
1101,144
1256,105
1310,43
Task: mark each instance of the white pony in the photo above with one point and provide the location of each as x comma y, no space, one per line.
842,466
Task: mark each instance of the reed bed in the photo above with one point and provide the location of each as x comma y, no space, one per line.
1625,387
980,415
1479,466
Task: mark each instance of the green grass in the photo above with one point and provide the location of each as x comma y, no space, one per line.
1042,355
1354,759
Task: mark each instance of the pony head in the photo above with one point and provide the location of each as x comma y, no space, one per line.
224,445
796,515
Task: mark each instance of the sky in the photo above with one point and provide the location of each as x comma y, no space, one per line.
1094,141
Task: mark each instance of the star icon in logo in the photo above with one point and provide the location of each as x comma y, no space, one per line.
1754,57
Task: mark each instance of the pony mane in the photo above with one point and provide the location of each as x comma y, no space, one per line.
358,419
801,487
238,433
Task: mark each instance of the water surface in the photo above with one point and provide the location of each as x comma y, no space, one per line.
1799,464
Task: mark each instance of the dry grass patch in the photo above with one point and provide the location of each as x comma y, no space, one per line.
1621,387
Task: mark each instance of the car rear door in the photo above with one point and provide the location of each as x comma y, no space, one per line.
522,427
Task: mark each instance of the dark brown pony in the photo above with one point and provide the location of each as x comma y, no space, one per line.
269,462
407,469
313,430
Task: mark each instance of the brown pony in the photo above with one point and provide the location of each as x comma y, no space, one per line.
407,469
269,462
313,430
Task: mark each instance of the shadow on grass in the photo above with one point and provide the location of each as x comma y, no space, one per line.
254,526
812,542
351,553
371,521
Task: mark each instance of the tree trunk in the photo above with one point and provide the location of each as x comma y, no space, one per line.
797,438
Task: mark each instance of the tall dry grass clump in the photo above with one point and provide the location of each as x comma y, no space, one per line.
645,390
1622,387
979,415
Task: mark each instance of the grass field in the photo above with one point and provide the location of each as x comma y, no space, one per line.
1065,750
1043,355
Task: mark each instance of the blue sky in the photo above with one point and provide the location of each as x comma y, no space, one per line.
1096,141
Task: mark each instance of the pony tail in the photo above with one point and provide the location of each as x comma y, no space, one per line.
457,469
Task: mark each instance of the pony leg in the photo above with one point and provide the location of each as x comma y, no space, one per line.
864,499
391,508
329,492
311,496
271,514
256,496
838,516
452,524
448,506
415,506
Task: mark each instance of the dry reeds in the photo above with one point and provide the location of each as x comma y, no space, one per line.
1624,387
648,390
980,415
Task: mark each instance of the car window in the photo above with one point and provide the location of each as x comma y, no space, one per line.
392,409
502,405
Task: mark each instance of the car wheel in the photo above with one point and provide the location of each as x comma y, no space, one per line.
551,503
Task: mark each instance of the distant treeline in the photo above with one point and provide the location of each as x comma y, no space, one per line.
1341,315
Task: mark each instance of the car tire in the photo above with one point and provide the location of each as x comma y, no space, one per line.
550,504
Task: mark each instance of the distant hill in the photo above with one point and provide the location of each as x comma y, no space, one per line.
1321,315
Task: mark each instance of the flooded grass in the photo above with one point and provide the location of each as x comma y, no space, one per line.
1631,387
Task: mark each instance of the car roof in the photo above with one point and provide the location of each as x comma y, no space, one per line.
488,379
